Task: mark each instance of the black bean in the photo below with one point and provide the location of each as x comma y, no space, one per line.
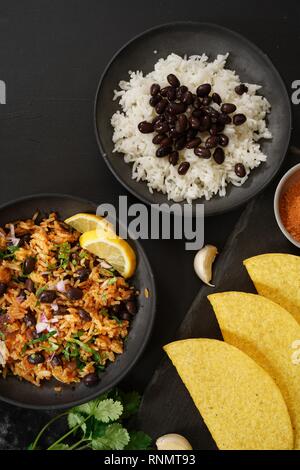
198,113
3,288
161,127
225,118
171,93
124,315
36,358
24,239
240,170
173,80
219,155
180,143
174,157
177,108
223,140
187,98
212,112
166,142
161,106
171,118
203,90
163,151
29,319
157,119
61,310
191,134
29,265
84,315
193,143
181,91
145,127
90,380
197,103
202,152
29,285
173,133
239,119
205,123
228,108
47,296
154,89
83,274
195,122
212,141
220,126
216,98
158,138
213,129
56,361
131,306
241,89
116,309
206,100
154,100
183,168
181,123
74,293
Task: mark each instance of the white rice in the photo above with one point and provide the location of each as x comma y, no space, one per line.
204,177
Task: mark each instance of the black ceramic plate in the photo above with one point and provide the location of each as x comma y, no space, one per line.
245,58
23,393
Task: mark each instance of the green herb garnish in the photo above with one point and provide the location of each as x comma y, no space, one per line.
64,251
100,425
2,335
120,322
83,254
42,337
40,290
112,280
9,252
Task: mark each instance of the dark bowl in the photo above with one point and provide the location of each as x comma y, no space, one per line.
24,394
251,64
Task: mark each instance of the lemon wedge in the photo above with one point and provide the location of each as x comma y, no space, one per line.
113,249
86,222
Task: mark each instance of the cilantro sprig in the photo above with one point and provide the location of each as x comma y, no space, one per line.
99,425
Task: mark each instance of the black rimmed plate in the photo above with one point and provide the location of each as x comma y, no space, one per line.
23,393
251,64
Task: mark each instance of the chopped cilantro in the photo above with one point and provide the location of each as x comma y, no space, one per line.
40,290
112,280
42,337
2,335
9,252
83,254
64,250
117,319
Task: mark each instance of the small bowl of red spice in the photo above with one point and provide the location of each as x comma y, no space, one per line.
287,205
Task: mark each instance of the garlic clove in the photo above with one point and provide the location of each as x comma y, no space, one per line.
173,442
203,262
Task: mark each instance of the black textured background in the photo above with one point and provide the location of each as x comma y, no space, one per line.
52,53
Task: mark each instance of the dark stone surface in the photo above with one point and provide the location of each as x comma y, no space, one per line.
51,57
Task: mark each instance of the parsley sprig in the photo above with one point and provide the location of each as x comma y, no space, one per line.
64,251
100,425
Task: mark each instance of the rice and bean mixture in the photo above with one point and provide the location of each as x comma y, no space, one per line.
63,312
190,127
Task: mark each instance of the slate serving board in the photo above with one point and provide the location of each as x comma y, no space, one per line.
167,406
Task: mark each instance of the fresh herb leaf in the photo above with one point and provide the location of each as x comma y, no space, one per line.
138,441
51,266
112,280
108,410
64,250
74,419
2,335
9,252
42,337
74,262
104,312
24,348
83,254
115,438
